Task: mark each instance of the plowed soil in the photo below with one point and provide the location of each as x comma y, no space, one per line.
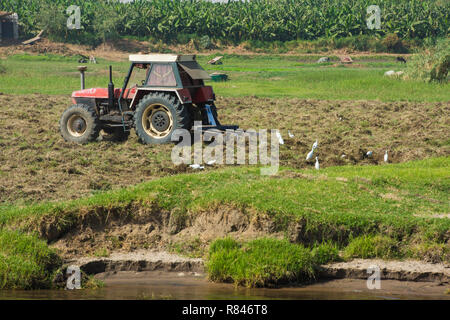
37,164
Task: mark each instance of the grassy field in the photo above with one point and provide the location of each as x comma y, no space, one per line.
387,211
261,75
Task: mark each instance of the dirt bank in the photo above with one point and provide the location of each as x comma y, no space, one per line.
146,260
36,164
409,270
154,228
141,260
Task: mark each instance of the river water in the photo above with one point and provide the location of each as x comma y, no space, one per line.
155,285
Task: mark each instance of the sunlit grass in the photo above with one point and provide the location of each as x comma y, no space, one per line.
401,199
26,262
259,262
257,75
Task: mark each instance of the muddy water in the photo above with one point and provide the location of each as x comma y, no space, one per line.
157,285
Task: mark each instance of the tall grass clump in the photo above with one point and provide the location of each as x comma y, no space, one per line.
26,262
325,252
258,263
372,246
432,64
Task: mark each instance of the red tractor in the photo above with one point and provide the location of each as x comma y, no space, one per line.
169,94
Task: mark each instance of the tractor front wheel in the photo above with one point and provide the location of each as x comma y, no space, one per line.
157,116
80,124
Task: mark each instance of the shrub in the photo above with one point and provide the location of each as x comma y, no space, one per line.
106,23
394,44
431,64
206,43
52,20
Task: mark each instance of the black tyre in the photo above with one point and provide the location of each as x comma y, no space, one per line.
114,134
157,116
80,124
195,114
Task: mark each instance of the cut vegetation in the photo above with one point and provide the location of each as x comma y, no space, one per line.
36,164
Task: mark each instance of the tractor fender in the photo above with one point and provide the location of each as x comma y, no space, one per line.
182,95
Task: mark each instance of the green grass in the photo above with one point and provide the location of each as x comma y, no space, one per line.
101,253
259,263
369,246
359,204
26,262
325,252
256,75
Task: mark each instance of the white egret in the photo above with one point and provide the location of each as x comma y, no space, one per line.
280,139
310,155
196,167
317,165
315,145
386,157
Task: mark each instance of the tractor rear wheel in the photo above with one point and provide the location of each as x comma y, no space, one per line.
157,116
80,124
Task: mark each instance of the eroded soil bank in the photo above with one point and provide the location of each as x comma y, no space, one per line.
139,245
144,261
154,228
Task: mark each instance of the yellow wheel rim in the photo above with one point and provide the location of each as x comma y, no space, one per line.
76,125
157,121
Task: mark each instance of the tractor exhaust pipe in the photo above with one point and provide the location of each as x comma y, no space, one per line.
110,90
82,69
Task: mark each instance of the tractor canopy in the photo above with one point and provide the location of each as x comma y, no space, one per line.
194,70
187,62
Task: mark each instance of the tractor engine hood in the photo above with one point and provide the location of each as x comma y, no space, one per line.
102,93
